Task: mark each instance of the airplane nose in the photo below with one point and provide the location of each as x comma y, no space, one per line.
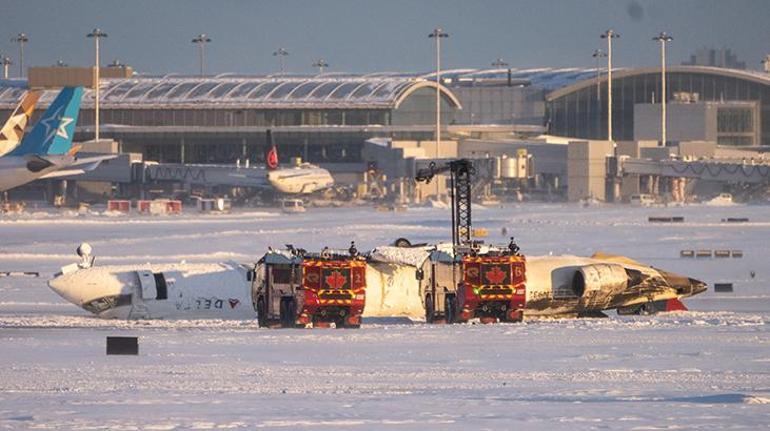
66,287
697,286
684,285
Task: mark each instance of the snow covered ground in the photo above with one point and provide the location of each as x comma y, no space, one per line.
708,368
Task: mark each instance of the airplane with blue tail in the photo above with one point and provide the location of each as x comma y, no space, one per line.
47,150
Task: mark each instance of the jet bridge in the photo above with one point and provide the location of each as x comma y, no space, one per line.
125,169
731,171
210,175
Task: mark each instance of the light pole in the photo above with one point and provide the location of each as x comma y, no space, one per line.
320,64
438,34
21,39
6,61
96,34
663,38
500,63
598,53
201,40
609,35
281,53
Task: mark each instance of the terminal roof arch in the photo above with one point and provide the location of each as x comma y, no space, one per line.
758,77
256,92
447,95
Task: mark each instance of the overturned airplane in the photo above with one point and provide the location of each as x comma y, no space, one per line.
426,282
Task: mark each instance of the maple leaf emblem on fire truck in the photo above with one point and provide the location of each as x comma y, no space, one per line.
495,275
336,280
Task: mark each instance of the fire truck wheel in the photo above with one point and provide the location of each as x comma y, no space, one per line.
342,323
429,309
288,312
450,308
262,313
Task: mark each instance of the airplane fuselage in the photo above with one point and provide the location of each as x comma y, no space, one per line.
189,291
304,179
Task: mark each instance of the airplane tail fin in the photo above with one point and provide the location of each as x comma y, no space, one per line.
271,159
54,131
13,130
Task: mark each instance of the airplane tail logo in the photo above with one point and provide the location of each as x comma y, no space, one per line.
272,156
54,131
13,130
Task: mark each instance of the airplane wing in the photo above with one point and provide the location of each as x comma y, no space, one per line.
91,163
63,173
623,260
80,166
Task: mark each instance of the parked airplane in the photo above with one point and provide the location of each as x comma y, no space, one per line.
13,130
552,286
303,179
47,151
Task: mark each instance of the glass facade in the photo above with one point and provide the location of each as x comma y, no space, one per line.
343,147
228,117
583,113
213,120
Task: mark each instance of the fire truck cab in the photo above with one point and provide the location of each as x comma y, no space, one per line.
438,277
488,283
293,288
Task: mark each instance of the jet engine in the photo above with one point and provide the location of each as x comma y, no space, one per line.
596,284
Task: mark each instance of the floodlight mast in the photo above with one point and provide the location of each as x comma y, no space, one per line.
320,64
201,40
598,53
96,34
438,34
281,53
609,35
21,39
500,63
5,61
663,38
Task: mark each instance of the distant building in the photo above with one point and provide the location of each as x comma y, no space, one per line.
326,119
715,58
741,102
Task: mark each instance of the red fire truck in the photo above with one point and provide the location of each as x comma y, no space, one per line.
489,285
293,288
492,288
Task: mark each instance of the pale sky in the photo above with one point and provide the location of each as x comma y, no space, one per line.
154,36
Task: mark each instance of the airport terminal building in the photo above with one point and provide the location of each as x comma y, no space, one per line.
740,101
327,119
324,118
